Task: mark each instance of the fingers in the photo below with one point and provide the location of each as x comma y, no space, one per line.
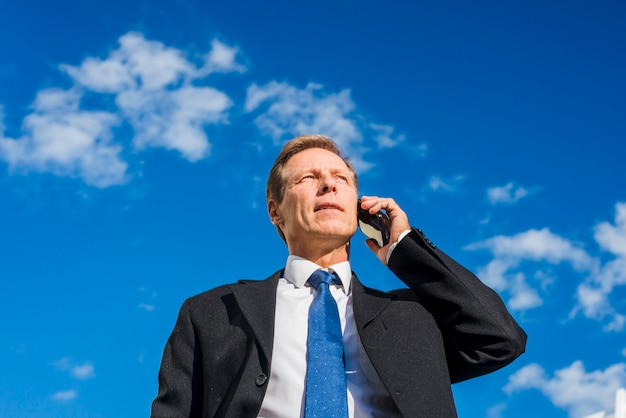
398,220
374,204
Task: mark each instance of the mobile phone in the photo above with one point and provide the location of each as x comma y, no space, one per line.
374,226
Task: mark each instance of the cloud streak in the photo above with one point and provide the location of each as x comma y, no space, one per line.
287,111
64,395
599,275
595,292
572,388
450,185
506,194
78,371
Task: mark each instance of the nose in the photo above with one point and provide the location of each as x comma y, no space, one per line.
328,184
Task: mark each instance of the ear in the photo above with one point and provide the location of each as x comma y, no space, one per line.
272,211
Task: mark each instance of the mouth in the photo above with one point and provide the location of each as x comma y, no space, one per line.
328,205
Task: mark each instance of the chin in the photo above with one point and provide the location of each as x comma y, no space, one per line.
337,232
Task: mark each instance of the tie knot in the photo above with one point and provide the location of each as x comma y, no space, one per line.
321,276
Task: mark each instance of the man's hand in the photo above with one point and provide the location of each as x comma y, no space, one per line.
399,222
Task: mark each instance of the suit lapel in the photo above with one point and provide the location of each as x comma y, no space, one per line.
257,301
367,303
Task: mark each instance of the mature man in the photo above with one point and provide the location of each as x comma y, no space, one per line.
311,340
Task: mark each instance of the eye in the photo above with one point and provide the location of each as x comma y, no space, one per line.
342,178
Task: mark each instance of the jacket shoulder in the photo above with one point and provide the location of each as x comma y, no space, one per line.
226,291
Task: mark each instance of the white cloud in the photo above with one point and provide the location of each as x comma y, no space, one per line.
154,89
289,111
595,292
83,371
64,396
78,371
523,296
109,76
136,64
146,307
62,139
506,194
528,377
157,89
496,411
384,136
612,238
175,119
536,245
222,58
292,111
161,92
572,388
451,185
494,273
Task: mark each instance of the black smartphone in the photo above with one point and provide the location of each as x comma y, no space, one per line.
374,226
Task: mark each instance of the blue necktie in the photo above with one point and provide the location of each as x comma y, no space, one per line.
326,373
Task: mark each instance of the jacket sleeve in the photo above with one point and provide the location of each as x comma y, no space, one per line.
180,376
479,334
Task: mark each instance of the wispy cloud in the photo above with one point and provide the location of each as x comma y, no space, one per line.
594,293
147,294
502,273
506,194
287,111
78,371
537,245
418,150
157,89
496,411
451,185
83,371
146,307
64,395
599,277
572,388
612,237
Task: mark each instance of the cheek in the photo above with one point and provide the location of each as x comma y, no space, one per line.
293,212
354,223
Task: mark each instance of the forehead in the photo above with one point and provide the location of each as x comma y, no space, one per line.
315,159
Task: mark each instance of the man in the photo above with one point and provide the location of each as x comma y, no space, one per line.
241,350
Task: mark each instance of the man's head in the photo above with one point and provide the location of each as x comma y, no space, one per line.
312,192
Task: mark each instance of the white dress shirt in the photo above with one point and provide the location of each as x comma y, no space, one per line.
286,385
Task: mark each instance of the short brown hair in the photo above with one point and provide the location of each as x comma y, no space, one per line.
275,187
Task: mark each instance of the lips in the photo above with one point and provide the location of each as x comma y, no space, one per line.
328,205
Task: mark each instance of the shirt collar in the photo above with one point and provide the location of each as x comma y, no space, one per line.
298,270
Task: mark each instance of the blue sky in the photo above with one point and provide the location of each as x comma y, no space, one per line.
136,137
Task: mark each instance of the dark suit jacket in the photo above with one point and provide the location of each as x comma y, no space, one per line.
445,327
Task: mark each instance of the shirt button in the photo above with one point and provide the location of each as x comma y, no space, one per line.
261,379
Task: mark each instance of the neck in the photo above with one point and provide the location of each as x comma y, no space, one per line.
324,258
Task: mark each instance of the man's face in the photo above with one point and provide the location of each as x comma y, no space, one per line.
319,201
